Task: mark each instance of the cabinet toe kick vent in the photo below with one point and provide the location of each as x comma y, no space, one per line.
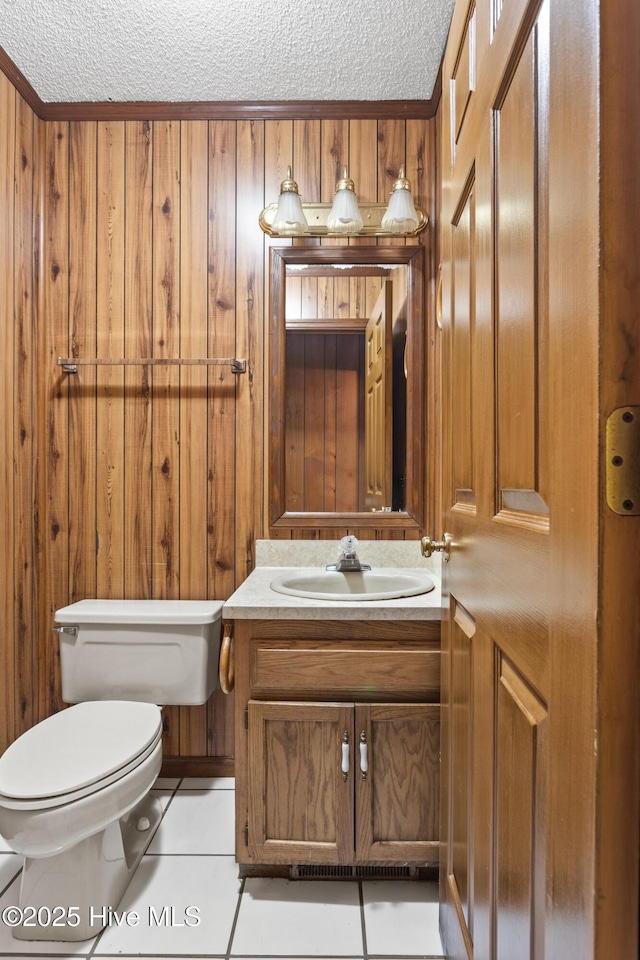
340,872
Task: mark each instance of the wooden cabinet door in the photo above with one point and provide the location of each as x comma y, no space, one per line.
300,805
397,798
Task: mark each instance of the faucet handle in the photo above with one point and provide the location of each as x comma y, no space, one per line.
349,544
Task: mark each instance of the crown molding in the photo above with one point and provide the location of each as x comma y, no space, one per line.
223,109
20,82
244,110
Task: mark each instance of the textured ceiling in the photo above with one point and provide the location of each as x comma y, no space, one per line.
96,50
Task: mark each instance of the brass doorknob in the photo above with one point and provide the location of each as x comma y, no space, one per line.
430,546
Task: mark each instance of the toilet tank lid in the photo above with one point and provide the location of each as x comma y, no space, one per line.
140,611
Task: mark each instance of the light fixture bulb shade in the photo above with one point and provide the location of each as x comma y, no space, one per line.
345,215
400,215
290,218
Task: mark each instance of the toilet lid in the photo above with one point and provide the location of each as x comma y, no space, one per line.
77,747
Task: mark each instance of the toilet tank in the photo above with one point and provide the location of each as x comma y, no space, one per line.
154,651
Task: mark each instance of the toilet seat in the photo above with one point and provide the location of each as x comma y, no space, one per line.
77,752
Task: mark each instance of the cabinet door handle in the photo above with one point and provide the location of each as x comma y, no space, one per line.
345,755
364,760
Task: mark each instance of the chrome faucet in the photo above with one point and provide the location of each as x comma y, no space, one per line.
348,560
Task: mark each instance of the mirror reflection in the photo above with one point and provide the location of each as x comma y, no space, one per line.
347,390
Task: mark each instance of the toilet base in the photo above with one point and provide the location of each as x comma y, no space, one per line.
90,877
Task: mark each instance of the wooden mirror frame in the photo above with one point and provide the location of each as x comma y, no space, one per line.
413,257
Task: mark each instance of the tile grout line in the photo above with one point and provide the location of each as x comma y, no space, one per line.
363,924
13,878
235,920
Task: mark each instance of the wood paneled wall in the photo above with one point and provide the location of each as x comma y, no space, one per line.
20,143
151,478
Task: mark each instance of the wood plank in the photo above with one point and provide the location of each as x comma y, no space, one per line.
194,302
8,347
333,144
138,343
294,423
314,430
53,404
391,156
363,146
222,387
250,338
306,173
83,173
23,540
165,477
111,454
332,441
193,343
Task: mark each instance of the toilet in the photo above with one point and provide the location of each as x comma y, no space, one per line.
75,789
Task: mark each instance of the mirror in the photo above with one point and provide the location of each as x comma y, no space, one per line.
346,390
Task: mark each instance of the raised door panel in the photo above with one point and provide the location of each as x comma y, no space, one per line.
300,803
397,747
464,79
520,779
460,764
520,123
462,345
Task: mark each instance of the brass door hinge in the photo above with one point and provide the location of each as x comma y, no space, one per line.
623,461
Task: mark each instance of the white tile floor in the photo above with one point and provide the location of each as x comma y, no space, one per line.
190,863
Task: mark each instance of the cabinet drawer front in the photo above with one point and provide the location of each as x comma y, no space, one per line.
365,674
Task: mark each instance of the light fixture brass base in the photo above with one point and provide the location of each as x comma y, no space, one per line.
318,213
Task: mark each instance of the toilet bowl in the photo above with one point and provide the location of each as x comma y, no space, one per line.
74,789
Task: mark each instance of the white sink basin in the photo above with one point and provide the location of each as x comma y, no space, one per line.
368,585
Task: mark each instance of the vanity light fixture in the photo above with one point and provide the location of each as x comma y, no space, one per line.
401,216
344,216
290,217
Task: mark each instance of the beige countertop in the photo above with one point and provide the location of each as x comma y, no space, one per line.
255,600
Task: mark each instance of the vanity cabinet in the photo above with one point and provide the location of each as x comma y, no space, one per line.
337,742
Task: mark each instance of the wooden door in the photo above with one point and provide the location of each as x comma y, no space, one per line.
532,367
397,795
300,805
378,420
